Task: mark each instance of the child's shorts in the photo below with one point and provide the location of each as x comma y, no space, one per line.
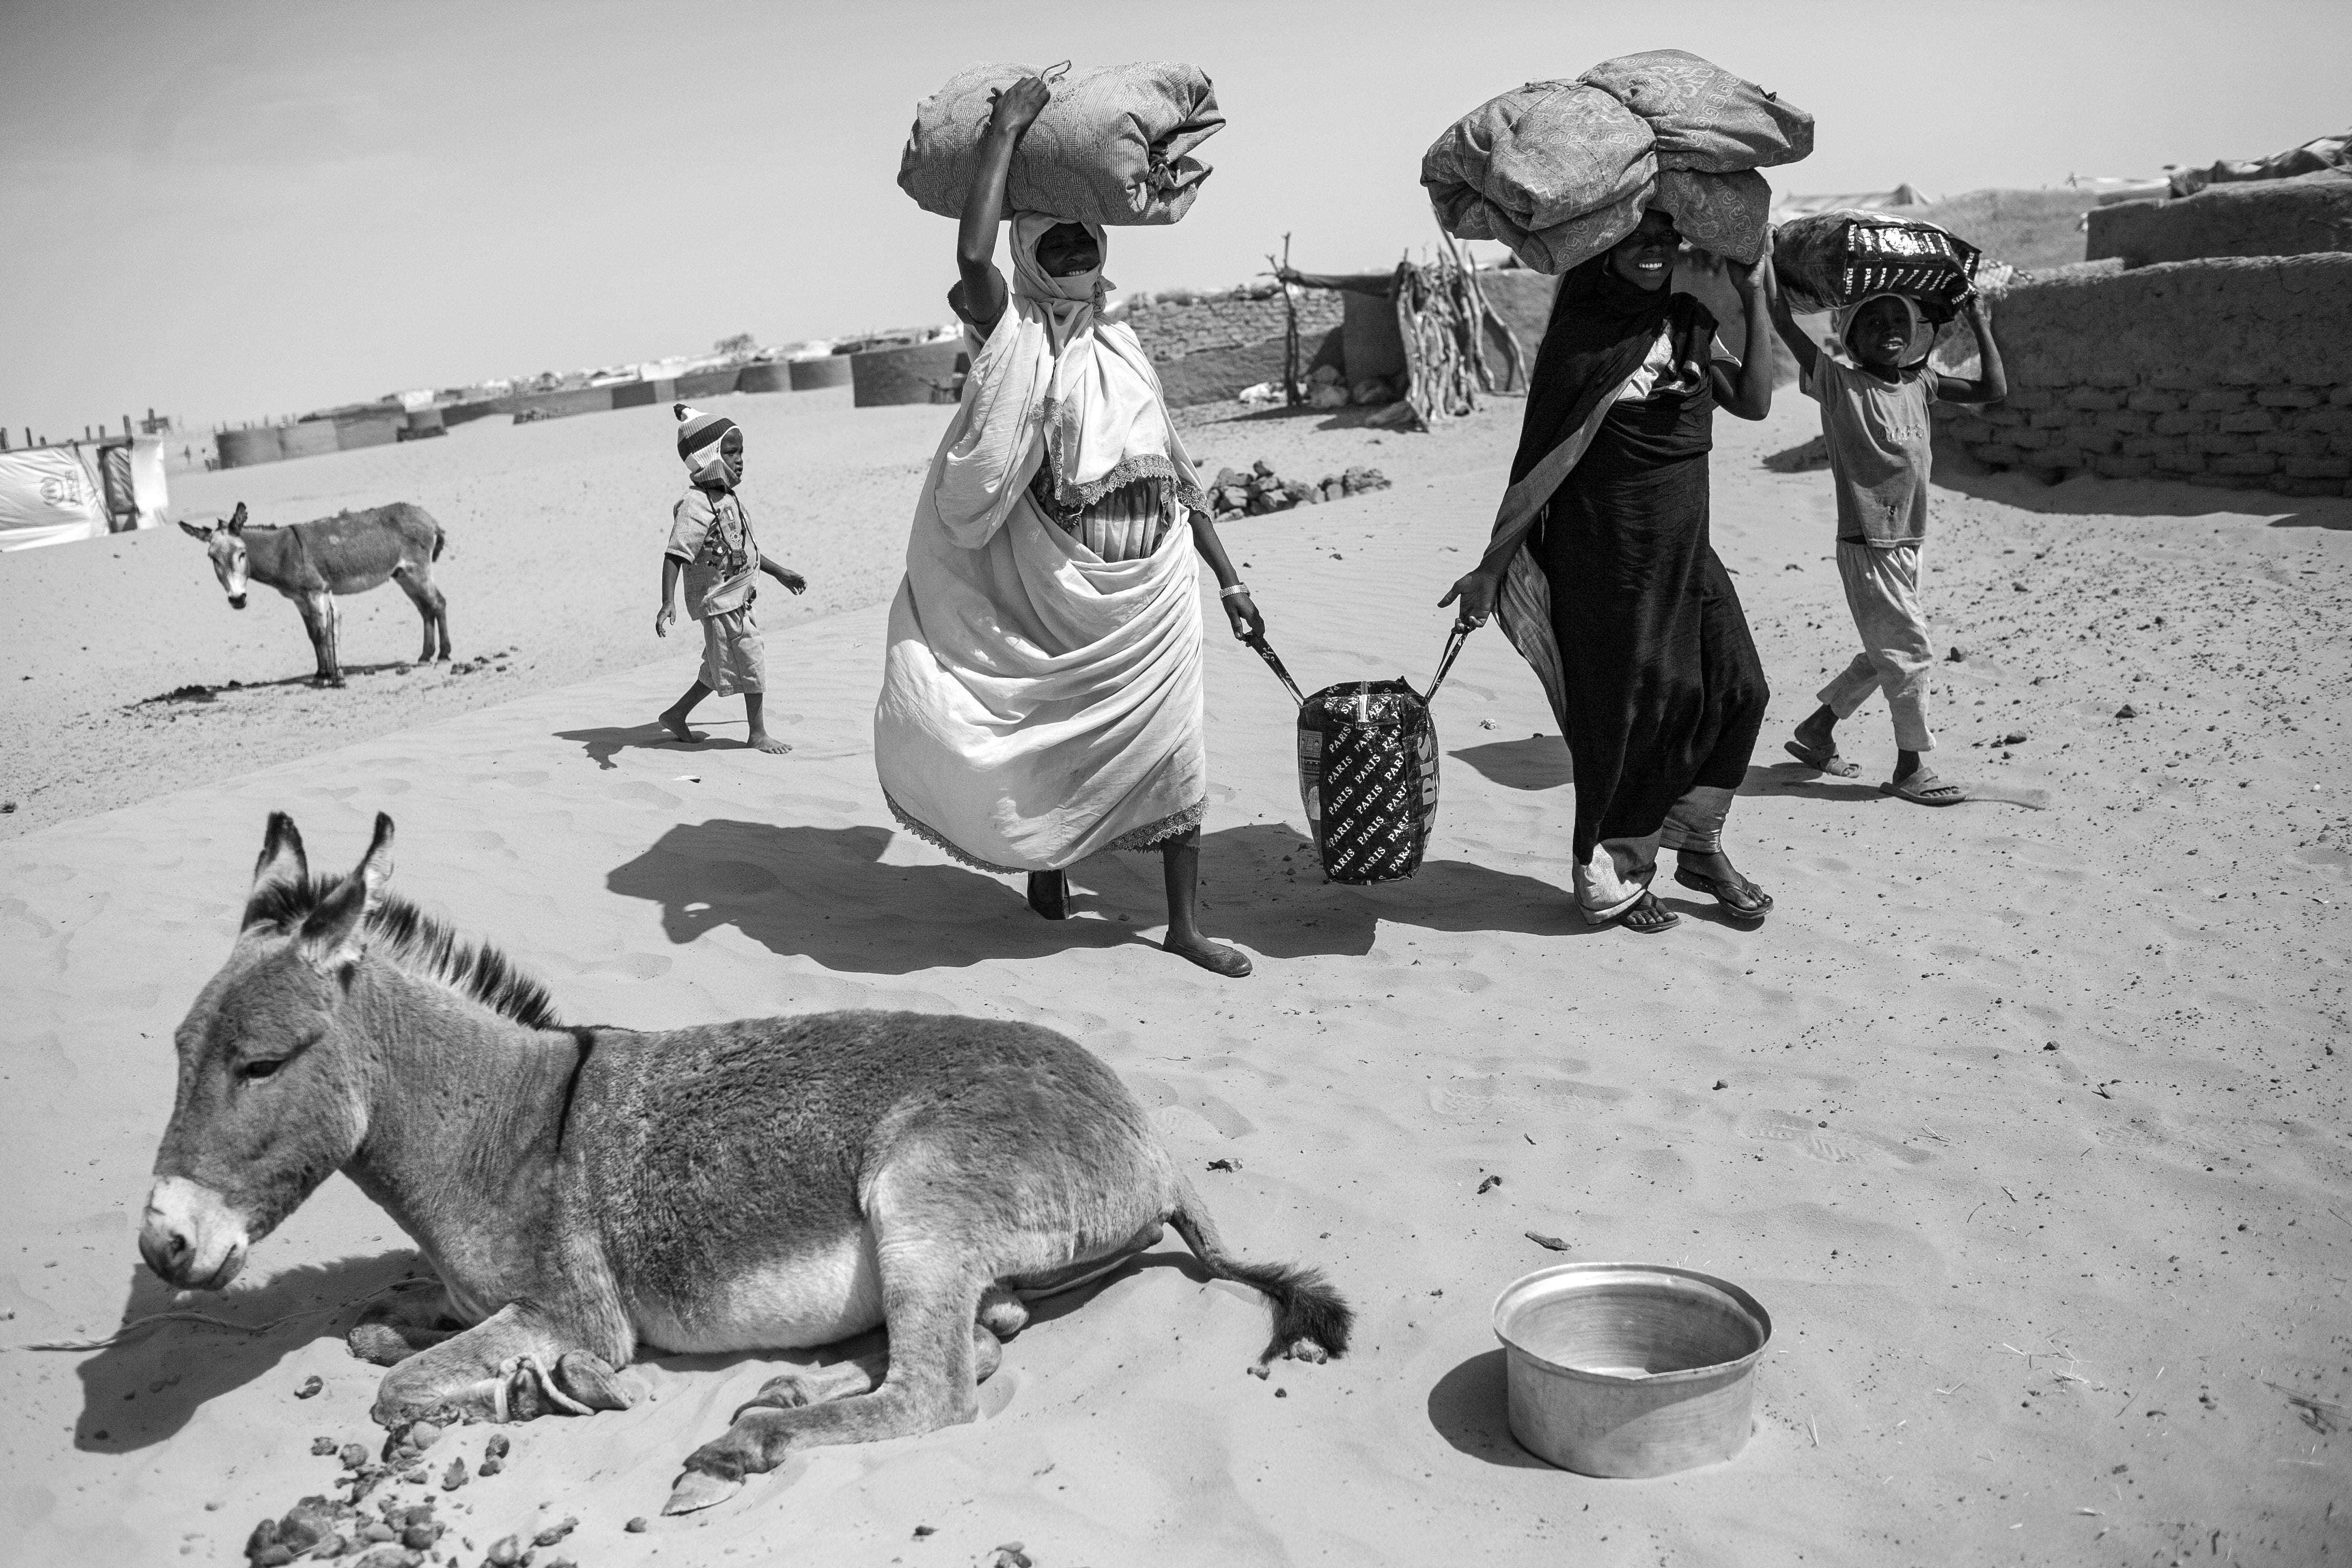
733,657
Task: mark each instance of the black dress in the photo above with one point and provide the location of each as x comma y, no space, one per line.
1662,689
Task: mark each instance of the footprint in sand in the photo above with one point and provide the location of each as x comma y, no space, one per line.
1473,1099
1831,1147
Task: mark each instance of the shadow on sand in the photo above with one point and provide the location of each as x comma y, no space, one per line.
141,1390
603,745
2084,496
1467,1406
826,893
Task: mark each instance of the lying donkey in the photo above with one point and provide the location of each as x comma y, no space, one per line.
351,553
587,1193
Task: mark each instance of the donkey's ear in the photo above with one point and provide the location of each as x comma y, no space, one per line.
193,531
282,859
335,935
236,523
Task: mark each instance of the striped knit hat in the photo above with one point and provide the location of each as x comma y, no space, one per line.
699,435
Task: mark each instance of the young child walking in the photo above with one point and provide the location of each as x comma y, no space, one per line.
711,539
1874,398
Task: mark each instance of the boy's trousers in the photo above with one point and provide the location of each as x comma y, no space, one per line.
1882,589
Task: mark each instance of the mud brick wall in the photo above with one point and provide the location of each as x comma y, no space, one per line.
2232,372
1208,350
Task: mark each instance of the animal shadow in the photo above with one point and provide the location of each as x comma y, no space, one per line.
1469,1408
143,1388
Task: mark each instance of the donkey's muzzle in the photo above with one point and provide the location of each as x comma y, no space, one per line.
190,1238
236,601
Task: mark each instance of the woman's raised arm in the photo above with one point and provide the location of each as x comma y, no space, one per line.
1017,106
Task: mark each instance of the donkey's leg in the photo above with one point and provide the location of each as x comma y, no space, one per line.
513,1365
416,581
931,1248
863,1374
316,610
390,1332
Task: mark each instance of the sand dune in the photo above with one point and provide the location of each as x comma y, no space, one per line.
2028,1125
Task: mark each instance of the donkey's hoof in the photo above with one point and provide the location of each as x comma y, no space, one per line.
697,1490
592,1381
379,1343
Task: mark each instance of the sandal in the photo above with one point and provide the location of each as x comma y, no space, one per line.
1648,917
1049,894
1742,901
1825,760
1924,788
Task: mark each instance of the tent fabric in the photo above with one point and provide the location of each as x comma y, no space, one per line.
56,494
50,495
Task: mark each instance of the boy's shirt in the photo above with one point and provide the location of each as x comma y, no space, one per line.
710,534
1880,448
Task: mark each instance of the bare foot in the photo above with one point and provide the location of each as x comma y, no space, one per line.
675,722
1214,956
763,742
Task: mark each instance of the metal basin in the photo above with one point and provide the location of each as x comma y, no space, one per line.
1630,1369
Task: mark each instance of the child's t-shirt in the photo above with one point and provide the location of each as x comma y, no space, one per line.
1879,442
709,533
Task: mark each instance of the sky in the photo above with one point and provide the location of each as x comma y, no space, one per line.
237,211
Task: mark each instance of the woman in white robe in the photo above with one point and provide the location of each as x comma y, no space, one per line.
1041,697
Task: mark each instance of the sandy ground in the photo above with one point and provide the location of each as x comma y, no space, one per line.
2028,1123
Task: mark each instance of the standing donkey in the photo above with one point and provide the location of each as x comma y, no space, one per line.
588,1193
351,553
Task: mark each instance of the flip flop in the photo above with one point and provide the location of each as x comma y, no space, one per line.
1722,892
1827,761
1647,902
1920,789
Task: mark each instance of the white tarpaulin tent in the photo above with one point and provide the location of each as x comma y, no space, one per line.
53,495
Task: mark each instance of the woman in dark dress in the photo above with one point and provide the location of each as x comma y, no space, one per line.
1602,575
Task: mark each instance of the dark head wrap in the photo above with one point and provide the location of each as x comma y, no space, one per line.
1600,330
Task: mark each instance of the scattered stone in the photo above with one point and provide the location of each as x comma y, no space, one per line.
420,1537
504,1551
1278,1394
455,1476
2017,587
353,1456
375,1534
423,1435
2014,738
1720,1084
1224,1165
635,1526
2127,711
498,1447
555,1532
922,1531
1262,491
1549,1243
1490,1184
491,1468
322,1446
2050,1047
310,1387
1257,1370
1011,1555
1956,653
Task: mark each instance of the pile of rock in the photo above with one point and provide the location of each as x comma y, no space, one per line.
1261,490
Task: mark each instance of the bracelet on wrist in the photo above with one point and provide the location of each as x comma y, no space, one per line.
1236,592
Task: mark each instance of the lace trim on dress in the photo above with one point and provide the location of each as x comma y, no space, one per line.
1068,497
1143,837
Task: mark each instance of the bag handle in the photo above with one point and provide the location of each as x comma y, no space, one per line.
1462,630
1264,650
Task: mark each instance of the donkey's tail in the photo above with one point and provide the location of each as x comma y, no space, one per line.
1311,1319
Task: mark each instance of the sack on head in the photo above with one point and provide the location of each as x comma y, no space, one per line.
1828,259
1113,147
1560,171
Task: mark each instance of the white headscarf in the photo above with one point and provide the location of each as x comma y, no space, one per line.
1055,382
1923,336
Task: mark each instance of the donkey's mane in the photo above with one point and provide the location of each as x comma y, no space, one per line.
419,944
